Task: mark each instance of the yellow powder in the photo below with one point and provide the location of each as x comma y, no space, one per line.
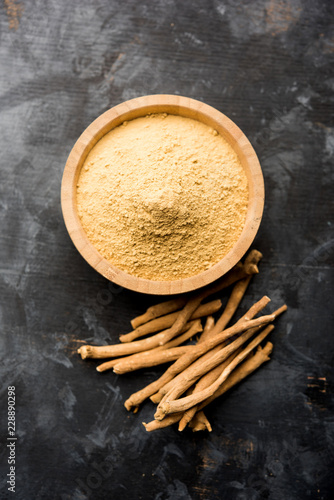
162,197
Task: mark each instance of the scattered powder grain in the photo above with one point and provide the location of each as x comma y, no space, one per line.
162,197
14,12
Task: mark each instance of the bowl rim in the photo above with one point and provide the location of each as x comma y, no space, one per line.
142,106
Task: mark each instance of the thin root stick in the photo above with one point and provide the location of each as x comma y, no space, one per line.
172,406
159,339
209,325
252,260
191,329
149,359
241,372
181,317
156,398
138,397
160,424
190,376
238,272
243,324
236,296
203,383
199,423
184,361
239,290
158,310
135,399
174,321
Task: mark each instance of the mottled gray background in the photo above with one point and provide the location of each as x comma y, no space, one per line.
268,65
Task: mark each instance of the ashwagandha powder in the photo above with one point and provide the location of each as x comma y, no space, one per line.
162,197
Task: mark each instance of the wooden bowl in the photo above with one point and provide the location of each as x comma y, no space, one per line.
176,105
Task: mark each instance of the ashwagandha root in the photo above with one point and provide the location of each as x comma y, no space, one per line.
178,303
155,359
235,298
199,423
244,323
238,292
138,397
241,372
209,324
251,262
251,364
160,424
201,372
169,420
134,360
237,273
159,339
184,361
158,310
233,302
190,376
157,397
212,329
177,405
203,383
169,321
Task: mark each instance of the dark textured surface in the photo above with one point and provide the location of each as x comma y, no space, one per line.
266,64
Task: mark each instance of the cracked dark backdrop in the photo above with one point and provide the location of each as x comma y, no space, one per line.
268,65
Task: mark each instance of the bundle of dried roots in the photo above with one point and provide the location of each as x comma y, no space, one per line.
202,371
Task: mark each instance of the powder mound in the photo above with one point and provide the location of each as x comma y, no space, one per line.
162,197
162,214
